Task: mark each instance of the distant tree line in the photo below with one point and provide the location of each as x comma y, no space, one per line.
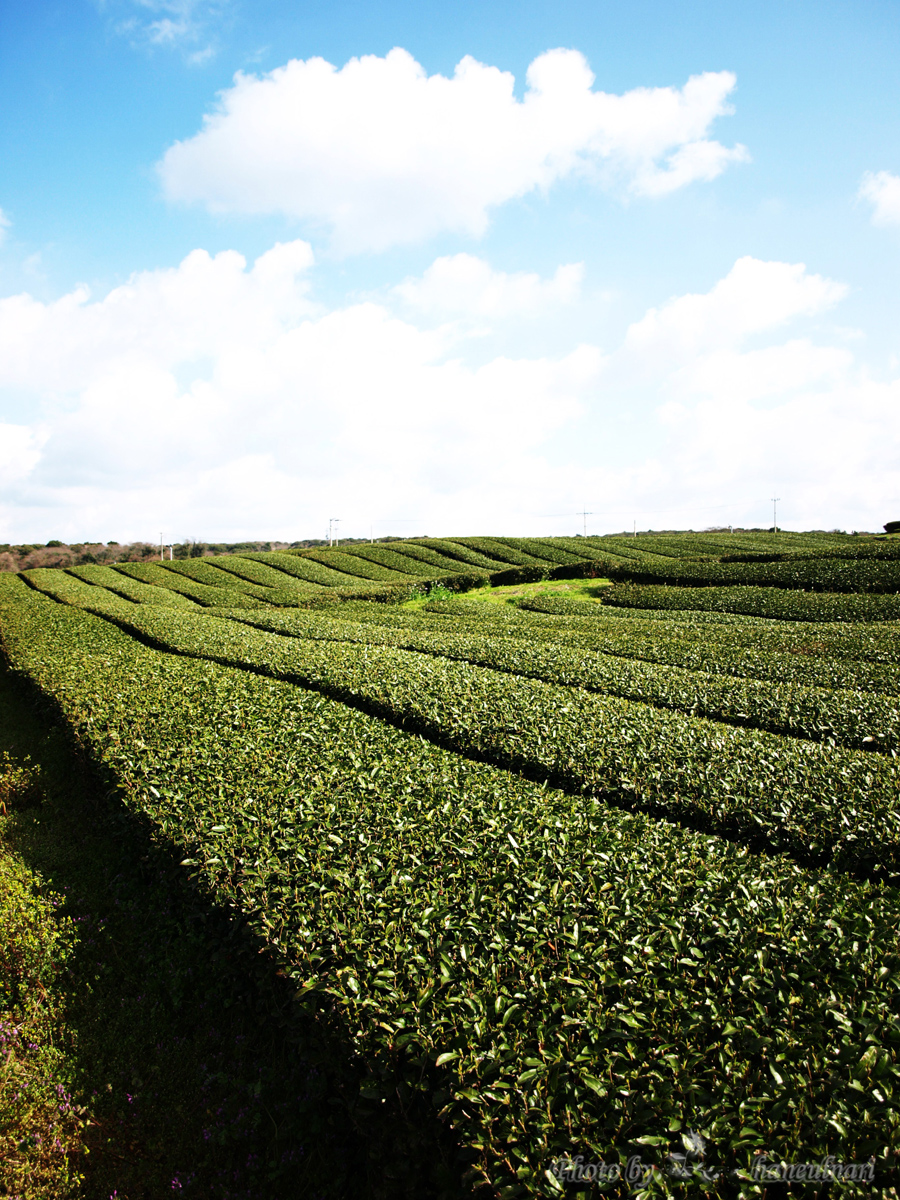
61,554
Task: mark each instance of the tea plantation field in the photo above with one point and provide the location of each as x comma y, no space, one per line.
607,868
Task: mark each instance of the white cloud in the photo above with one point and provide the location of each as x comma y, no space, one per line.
804,418
462,285
5,224
20,450
882,190
754,297
215,398
382,153
184,25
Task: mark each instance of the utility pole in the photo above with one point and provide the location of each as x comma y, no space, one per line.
161,559
585,514
333,522
775,500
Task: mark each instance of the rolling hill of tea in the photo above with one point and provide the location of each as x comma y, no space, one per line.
591,842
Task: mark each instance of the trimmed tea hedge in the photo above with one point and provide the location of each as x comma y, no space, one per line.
178,581
354,566
561,978
859,720
251,571
811,800
304,569
780,603
455,552
131,589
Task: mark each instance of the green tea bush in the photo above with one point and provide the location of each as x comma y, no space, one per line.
556,976
452,552
443,557
542,549
814,801
354,565
780,603
392,560
250,571
298,567
503,550
70,590
130,589
860,720
41,1127
177,581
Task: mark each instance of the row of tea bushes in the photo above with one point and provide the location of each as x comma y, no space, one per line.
445,557
69,589
878,548
251,571
811,574
205,572
782,604
131,589
559,977
355,567
815,801
503,550
857,657
860,720
306,570
542,550
704,545
457,551
392,560
177,581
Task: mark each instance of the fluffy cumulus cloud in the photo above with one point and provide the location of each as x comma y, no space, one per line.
754,297
882,191
218,399
379,152
461,285
742,417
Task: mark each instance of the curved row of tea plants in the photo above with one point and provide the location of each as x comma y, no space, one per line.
245,570
177,581
453,551
856,719
304,569
504,551
543,550
815,574
69,589
123,585
205,572
812,800
855,657
562,978
780,603
354,566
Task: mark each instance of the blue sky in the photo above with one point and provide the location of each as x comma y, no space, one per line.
243,290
